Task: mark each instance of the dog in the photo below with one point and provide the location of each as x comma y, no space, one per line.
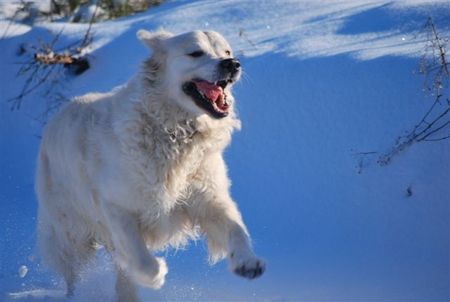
141,168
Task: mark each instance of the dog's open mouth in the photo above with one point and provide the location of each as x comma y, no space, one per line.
209,96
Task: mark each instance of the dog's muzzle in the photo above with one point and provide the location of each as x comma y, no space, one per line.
230,67
211,96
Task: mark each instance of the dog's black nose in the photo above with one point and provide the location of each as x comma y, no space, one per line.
231,65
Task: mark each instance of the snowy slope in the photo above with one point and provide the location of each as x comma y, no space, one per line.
323,80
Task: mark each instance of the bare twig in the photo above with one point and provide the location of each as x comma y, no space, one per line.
24,6
87,36
46,63
437,39
243,34
423,138
437,139
434,66
363,159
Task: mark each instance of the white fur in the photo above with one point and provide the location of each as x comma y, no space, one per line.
140,169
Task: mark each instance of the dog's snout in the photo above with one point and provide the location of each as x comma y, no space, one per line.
231,65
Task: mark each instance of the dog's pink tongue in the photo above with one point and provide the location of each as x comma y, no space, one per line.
210,90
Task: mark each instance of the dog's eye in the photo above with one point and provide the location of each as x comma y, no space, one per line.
227,52
196,54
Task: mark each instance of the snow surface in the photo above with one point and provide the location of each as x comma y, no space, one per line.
323,80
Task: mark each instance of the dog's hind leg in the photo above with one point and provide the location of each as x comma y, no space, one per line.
63,249
130,251
64,239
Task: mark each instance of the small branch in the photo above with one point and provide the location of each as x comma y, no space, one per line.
363,160
24,6
437,139
435,67
441,48
433,132
431,124
243,34
87,36
17,101
45,57
365,153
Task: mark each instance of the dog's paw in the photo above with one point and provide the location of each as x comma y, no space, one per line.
160,278
250,267
152,277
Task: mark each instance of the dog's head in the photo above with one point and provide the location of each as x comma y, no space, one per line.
198,69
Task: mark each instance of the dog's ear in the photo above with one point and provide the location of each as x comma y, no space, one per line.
154,39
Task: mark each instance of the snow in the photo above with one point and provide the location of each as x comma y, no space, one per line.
23,270
324,81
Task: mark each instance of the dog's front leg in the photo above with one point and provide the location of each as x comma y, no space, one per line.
225,230
243,261
221,220
130,251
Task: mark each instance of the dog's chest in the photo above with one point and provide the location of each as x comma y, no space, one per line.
183,165
164,160
168,163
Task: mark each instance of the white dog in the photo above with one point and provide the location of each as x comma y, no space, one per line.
141,168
